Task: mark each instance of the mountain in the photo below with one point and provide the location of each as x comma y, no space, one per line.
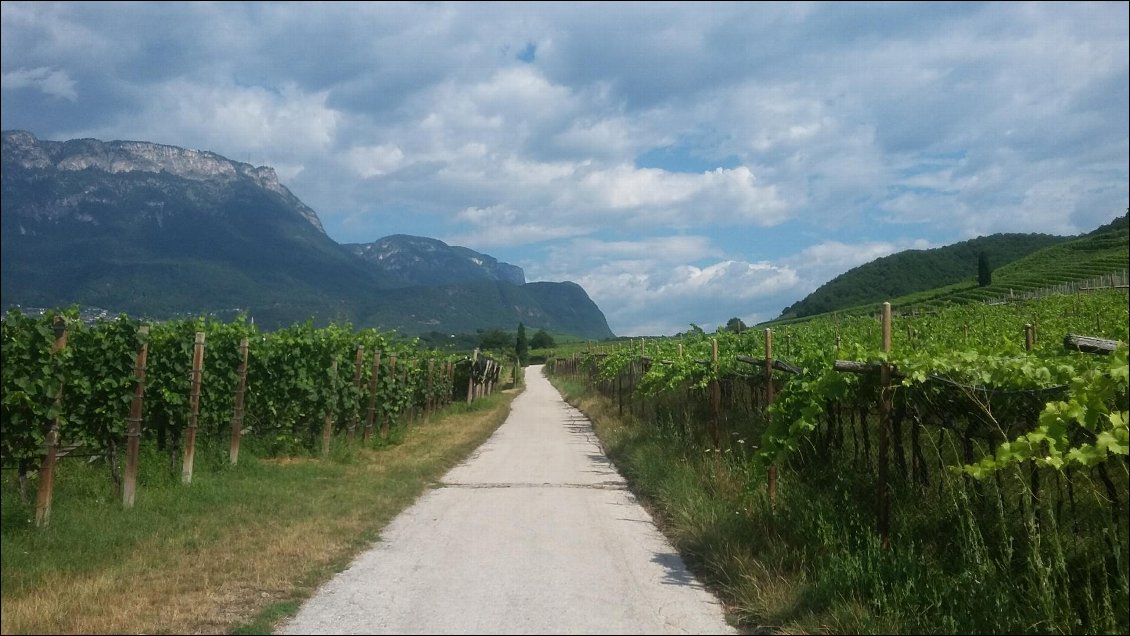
1021,263
913,271
417,260
557,307
159,231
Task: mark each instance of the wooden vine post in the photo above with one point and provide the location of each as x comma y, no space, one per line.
410,409
620,393
328,423
193,408
770,395
429,401
240,395
133,431
355,420
471,377
448,382
372,410
884,433
715,399
1033,469
392,376
47,468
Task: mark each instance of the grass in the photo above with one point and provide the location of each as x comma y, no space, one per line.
961,559
235,551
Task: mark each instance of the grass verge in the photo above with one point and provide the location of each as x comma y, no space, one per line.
236,551
959,561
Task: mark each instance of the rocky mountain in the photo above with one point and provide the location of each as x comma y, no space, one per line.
418,260
158,231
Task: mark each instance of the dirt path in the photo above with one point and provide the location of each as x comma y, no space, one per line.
534,534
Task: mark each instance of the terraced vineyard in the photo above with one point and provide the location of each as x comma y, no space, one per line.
1099,259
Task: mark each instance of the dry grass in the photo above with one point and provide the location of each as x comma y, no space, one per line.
226,568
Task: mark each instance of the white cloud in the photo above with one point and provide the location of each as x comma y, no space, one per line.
288,127
50,81
640,300
659,197
516,234
373,161
660,249
660,285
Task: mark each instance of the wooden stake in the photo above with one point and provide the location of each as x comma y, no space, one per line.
429,401
355,419
1029,337
369,416
770,395
715,399
391,374
328,423
133,430
471,377
240,393
193,408
884,433
47,468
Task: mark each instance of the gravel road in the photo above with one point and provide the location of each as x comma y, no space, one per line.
535,533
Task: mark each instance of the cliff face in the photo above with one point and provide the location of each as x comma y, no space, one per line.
22,149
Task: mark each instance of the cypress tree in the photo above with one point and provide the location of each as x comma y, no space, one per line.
984,271
521,347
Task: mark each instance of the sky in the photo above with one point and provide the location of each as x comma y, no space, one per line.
686,163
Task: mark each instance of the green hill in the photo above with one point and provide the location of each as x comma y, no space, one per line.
924,279
1102,252
914,271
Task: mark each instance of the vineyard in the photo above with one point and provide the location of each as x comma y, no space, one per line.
969,464
101,391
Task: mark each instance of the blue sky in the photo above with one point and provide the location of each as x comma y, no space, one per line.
684,162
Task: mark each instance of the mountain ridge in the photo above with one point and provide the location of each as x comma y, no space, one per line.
158,230
424,261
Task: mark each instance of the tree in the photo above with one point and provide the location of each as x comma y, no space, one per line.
735,325
494,340
984,271
541,340
521,347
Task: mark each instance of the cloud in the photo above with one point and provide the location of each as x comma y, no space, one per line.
49,81
819,136
372,161
650,195
660,285
285,126
642,300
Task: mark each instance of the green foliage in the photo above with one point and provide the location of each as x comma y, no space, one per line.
542,340
1084,430
984,270
495,340
913,271
296,378
32,377
1006,476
